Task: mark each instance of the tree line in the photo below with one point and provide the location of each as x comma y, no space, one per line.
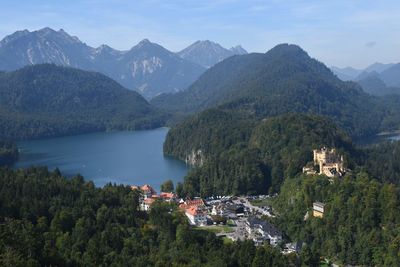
48,220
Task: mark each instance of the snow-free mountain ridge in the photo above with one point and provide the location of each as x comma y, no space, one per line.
207,53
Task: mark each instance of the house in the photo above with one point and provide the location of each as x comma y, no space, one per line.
168,197
318,209
196,216
195,210
197,202
218,209
261,231
147,202
146,190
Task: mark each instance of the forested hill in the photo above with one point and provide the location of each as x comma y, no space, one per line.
48,220
47,100
285,79
242,156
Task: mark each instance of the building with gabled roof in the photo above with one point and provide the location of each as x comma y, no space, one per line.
146,189
147,202
169,197
188,203
261,231
196,216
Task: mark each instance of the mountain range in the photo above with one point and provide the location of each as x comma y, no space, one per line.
351,74
376,79
147,67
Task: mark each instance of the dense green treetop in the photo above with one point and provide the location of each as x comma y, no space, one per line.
167,186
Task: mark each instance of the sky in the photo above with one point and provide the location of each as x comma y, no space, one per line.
342,33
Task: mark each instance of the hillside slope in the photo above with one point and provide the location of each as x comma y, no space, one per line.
283,80
46,100
235,155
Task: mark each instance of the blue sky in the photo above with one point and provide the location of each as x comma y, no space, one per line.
337,32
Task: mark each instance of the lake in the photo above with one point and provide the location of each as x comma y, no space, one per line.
131,157
395,138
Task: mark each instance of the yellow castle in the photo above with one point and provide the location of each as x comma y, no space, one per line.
329,162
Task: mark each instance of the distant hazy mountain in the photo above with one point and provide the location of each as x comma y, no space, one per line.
378,67
207,53
372,83
48,100
376,79
383,83
147,67
351,74
346,74
391,76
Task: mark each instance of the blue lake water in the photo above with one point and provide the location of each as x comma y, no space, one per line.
134,157
395,138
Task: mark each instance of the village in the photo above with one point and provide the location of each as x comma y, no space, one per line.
246,217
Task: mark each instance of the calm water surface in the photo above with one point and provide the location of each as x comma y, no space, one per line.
118,157
395,138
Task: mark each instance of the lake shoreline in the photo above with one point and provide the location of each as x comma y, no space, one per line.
121,157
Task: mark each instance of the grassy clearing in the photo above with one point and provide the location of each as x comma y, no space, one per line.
227,240
216,229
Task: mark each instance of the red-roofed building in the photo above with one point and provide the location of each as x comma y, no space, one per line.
147,202
169,197
197,202
194,210
146,189
196,216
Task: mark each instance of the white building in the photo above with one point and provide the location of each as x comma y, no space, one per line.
260,230
196,216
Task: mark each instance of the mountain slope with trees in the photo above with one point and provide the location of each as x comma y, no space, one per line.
47,100
285,79
360,226
241,156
